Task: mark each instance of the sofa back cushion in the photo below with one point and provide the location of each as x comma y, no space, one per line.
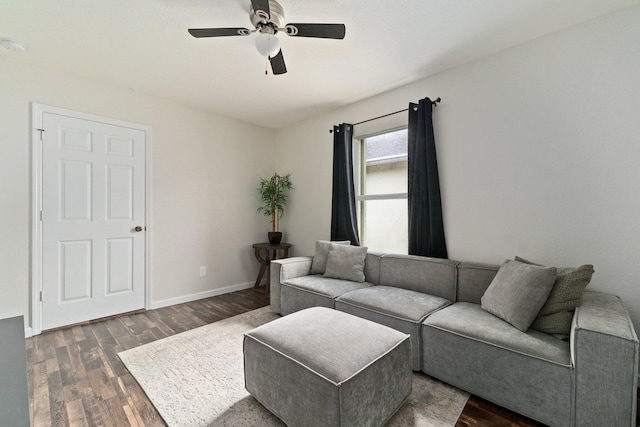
372,267
433,276
473,280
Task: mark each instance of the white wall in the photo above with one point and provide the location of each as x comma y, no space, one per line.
205,171
539,154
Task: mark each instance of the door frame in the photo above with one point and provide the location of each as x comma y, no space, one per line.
37,111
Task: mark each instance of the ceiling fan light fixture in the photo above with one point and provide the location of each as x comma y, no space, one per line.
267,44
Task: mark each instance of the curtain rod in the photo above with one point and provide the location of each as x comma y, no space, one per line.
434,103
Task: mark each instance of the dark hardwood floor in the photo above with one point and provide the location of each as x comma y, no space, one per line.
76,378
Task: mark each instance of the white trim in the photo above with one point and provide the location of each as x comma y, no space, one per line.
387,160
382,128
200,295
388,196
36,225
28,332
148,224
37,110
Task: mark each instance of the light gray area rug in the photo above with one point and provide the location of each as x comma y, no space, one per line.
196,378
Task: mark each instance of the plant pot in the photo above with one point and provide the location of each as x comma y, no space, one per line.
275,237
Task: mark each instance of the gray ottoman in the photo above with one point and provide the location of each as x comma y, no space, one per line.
322,367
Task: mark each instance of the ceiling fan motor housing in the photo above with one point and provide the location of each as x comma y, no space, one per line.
276,19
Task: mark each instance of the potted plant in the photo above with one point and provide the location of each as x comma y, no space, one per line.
273,192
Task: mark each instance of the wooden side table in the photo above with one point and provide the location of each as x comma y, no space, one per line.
265,252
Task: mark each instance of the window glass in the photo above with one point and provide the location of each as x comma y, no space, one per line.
382,191
385,163
386,225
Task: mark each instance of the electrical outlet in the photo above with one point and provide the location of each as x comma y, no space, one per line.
203,271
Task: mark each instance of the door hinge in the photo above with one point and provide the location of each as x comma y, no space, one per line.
40,215
40,296
41,131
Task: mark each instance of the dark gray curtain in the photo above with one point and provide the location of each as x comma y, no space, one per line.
426,228
344,222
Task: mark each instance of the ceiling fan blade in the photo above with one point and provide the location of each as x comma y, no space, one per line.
261,9
218,32
323,31
277,64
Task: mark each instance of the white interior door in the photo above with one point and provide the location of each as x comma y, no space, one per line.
93,219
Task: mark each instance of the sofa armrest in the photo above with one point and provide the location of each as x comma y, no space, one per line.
283,270
604,350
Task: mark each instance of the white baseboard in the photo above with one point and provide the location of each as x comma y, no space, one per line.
200,295
28,331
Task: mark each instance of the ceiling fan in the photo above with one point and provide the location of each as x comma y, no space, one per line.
267,16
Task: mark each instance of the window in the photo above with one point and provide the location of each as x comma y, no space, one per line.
381,172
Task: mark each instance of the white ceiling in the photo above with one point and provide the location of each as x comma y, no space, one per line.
143,45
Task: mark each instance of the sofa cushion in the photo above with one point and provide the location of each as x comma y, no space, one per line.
433,276
400,309
556,314
346,262
314,291
319,263
471,321
395,302
473,280
372,267
518,292
324,285
528,372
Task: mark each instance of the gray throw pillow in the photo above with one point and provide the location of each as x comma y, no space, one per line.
518,291
319,263
556,314
346,262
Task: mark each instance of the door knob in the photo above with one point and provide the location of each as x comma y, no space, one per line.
138,228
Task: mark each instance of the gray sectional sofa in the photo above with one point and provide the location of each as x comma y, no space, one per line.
589,379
